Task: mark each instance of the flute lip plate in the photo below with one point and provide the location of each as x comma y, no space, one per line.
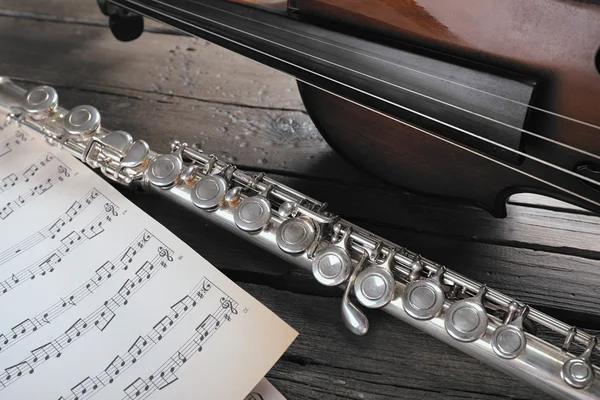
209,191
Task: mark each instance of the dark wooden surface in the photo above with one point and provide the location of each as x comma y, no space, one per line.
166,86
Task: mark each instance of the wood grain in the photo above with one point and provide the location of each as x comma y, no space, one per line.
176,66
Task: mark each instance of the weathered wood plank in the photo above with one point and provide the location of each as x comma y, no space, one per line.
155,63
66,11
393,361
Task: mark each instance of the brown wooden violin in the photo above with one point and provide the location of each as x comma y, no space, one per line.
475,100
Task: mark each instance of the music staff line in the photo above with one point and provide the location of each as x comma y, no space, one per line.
18,138
165,374
13,179
9,208
99,318
90,386
101,276
68,243
51,230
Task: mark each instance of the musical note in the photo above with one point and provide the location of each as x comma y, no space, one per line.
30,172
128,256
87,385
137,348
6,211
114,368
9,181
18,369
48,265
104,272
56,227
165,377
162,326
73,210
3,341
134,390
183,305
144,272
93,230
75,330
104,317
45,352
125,291
43,187
205,325
69,240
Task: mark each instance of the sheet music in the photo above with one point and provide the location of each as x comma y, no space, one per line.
98,300
264,391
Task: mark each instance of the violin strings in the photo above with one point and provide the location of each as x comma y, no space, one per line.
525,131
508,148
384,114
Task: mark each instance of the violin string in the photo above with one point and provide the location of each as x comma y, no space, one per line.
366,107
555,114
462,109
410,110
408,124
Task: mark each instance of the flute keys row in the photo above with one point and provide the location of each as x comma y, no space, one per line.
465,320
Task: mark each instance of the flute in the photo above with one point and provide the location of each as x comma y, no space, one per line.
370,270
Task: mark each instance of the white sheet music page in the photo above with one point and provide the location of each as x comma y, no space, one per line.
98,300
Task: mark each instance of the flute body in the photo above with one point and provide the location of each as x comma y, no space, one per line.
371,271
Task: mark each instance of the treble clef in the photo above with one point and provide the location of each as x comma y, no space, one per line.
108,207
63,171
164,252
226,303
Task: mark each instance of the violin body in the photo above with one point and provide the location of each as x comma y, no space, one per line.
556,41
472,100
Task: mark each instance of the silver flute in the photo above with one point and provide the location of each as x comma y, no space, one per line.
465,314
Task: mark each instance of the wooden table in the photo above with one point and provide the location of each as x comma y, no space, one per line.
165,86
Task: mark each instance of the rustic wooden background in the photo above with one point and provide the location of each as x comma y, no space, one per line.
166,86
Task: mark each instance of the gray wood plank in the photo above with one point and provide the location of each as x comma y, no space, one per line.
393,361
86,56
65,11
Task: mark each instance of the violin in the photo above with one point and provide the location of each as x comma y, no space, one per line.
470,100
